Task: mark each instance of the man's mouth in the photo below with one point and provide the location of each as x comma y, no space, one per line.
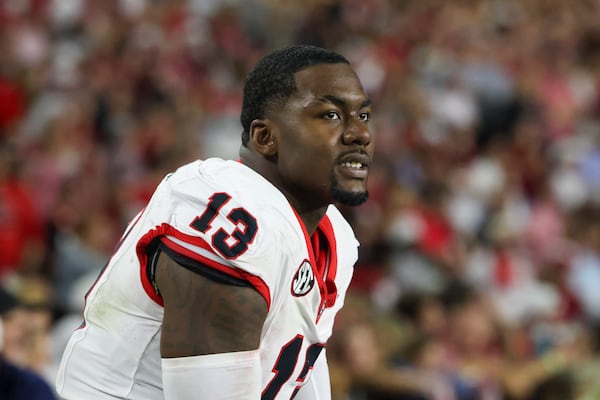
354,166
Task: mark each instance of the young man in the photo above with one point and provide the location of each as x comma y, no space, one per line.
227,284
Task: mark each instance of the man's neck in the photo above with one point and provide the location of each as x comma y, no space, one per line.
310,214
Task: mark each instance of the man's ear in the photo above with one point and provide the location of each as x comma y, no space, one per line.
263,137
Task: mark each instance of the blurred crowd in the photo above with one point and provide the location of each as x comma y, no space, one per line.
479,270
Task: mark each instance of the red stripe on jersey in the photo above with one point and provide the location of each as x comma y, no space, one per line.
327,229
140,249
167,230
318,260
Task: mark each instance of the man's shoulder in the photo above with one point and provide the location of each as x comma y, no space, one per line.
227,195
228,176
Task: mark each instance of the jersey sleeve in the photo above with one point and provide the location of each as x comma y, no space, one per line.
219,229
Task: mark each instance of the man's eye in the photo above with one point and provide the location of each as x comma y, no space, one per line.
331,115
364,117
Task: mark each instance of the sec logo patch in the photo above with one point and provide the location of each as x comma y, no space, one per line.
304,279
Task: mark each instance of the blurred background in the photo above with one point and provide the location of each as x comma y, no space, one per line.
479,270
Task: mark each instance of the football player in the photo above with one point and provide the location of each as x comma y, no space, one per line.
226,285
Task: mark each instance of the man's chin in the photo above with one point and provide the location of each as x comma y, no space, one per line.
350,198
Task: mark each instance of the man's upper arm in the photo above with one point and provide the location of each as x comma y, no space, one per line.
203,316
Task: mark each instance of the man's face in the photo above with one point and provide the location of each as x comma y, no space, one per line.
325,146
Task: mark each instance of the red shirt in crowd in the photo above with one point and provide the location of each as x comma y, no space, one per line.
20,224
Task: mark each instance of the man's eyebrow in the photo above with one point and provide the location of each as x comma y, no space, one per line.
341,102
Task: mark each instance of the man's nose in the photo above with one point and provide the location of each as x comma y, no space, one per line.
356,132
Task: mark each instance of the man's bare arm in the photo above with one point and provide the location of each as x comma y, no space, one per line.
203,316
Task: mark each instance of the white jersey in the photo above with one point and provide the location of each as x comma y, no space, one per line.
228,217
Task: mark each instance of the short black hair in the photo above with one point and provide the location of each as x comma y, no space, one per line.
272,79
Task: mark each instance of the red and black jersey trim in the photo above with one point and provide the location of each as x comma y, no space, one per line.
146,249
199,268
322,250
